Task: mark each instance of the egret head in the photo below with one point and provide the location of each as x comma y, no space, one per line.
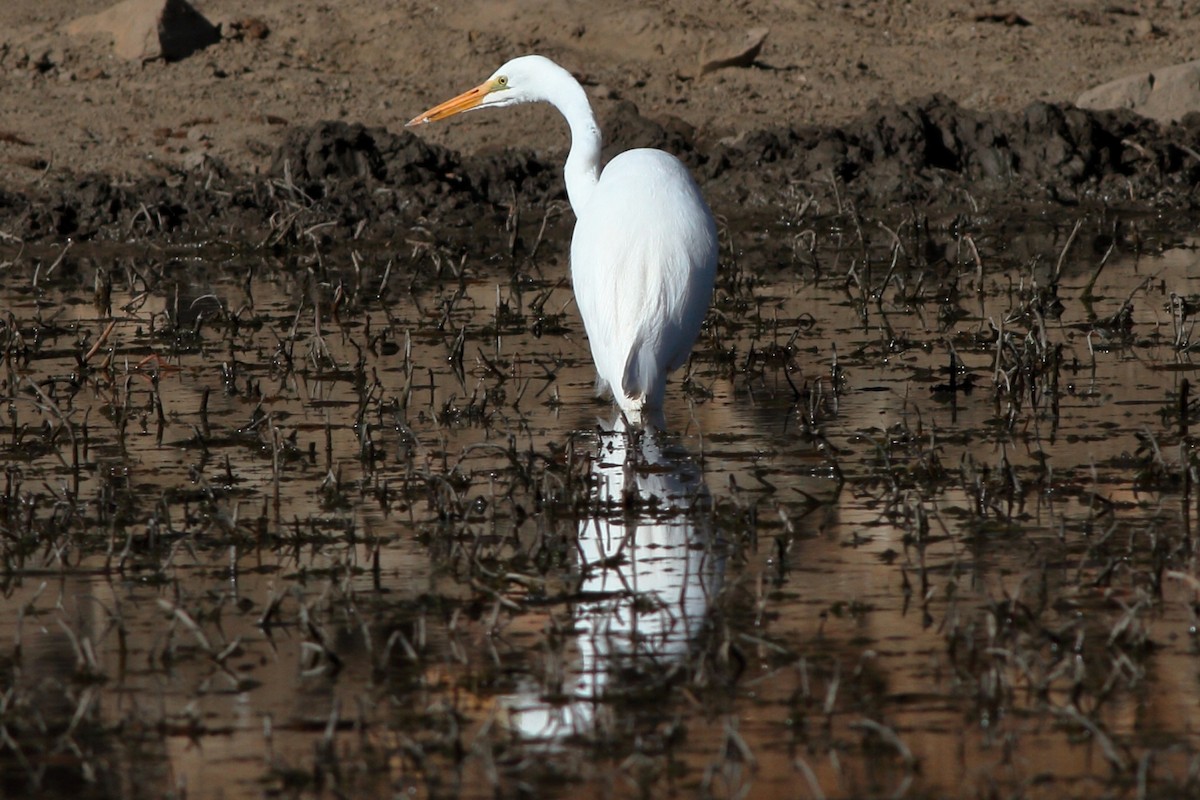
522,80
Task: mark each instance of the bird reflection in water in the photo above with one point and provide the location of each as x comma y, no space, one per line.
650,568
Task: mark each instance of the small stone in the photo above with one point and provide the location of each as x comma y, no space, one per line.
195,160
143,30
1165,95
251,28
741,55
17,59
43,62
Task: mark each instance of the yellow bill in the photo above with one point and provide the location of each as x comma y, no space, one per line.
455,105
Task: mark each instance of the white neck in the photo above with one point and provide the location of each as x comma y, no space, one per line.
582,170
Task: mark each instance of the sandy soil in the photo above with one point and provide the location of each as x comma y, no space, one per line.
71,105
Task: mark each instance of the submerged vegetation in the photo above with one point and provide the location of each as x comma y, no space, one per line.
314,520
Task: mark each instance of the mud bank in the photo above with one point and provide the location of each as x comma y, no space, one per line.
336,181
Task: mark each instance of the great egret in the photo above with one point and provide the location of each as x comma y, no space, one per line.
644,252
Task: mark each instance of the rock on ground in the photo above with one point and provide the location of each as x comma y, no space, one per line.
143,30
1165,95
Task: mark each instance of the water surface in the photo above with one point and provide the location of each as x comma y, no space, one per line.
918,522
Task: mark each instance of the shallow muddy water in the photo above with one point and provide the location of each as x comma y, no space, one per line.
919,523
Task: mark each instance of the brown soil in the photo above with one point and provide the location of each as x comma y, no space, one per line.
72,106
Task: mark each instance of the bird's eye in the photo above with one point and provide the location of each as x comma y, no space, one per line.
502,81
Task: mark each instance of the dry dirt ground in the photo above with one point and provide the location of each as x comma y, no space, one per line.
69,104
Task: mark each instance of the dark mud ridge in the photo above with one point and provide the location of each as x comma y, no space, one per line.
336,181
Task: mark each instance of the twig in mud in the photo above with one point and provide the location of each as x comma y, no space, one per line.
1086,294
100,342
1107,746
48,404
188,622
555,208
970,240
1063,255
889,736
837,196
810,778
1190,151
512,222
49,163
54,266
735,743
85,656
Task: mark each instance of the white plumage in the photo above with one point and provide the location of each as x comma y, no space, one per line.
644,252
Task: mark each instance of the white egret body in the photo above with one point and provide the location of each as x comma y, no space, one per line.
644,252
